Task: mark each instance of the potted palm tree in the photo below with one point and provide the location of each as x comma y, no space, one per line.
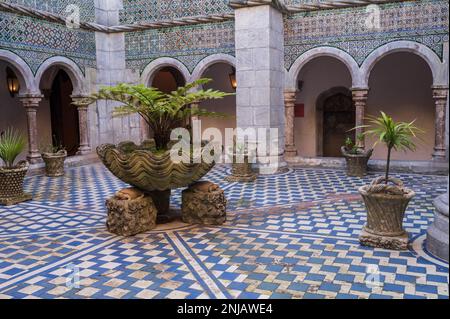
387,198
356,157
149,166
12,175
54,156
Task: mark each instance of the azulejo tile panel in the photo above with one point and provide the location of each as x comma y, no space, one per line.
188,44
157,10
85,7
302,243
37,40
425,22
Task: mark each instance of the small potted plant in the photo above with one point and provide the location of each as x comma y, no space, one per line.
241,167
54,156
356,157
12,175
387,198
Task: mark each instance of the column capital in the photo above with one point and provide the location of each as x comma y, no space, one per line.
81,100
31,100
360,93
440,91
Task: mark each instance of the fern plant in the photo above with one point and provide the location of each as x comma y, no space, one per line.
163,112
12,143
396,136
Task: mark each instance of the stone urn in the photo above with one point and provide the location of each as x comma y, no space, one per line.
54,163
386,206
241,169
153,172
11,184
356,161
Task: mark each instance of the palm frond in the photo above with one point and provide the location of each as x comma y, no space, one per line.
12,143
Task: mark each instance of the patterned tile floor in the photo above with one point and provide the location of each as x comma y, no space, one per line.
293,235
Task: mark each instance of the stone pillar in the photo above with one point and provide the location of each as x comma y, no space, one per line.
31,105
289,102
438,233
360,100
440,95
259,46
85,147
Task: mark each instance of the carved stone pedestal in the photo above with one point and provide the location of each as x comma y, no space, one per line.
204,203
130,212
437,238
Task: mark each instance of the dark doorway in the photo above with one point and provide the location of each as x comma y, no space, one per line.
338,120
64,116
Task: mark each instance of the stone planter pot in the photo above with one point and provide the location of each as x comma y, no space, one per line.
386,206
54,163
241,172
356,163
11,184
152,172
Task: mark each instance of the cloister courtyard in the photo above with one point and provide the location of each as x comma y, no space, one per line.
289,235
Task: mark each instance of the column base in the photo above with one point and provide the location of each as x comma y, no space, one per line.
439,156
438,234
290,152
34,158
84,150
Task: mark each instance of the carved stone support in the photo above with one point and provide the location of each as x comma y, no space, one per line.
360,100
289,102
85,147
31,105
440,96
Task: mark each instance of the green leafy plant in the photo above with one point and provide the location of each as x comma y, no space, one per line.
12,143
396,136
163,112
51,148
350,146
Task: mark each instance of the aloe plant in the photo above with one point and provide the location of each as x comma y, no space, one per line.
12,143
395,135
163,112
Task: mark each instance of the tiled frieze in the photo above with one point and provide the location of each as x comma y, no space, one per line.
156,10
425,22
187,44
85,7
37,40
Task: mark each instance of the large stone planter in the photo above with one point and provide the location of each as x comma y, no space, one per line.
356,163
241,172
11,184
386,206
204,203
152,172
130,212
438,234
54,163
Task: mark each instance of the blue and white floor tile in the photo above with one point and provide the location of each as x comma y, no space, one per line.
293,235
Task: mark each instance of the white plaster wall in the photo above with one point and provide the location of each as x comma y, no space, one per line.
219,73
318,76
400,85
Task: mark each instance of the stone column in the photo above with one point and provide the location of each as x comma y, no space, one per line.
440,95
85,147
360,100
289,102
31,105
438,233
260,75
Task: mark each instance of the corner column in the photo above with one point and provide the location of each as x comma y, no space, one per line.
82,107
360,96
31,105
289,103
440,96
260,77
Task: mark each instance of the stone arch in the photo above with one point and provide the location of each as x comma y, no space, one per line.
70,67
25,75
437,68
310,55
210,60
153,67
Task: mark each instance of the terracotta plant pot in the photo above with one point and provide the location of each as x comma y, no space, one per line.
386,206
356,163
241,172
54,163
11,184
152,172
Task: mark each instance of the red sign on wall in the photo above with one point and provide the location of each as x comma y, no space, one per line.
299,110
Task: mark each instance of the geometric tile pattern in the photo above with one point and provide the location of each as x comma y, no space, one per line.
301,243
